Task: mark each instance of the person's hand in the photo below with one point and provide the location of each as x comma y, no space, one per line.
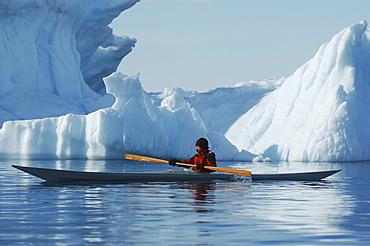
172,162
200,166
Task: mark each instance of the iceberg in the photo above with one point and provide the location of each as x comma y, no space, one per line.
55,54
62,98
321,112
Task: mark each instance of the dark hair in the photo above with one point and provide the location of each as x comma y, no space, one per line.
202,142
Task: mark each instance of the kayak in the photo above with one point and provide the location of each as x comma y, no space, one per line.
57,175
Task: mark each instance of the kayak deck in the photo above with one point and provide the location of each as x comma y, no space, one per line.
56,175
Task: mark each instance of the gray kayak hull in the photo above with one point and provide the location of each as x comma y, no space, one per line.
57,175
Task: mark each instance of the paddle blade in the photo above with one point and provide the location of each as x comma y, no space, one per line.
230,170
143,158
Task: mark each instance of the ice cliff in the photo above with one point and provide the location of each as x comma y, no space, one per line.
55,54
321,112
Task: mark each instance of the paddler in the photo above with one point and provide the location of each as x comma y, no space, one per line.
204,157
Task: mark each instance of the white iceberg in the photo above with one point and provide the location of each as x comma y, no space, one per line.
321,112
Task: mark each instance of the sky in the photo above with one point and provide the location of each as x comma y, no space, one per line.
204,44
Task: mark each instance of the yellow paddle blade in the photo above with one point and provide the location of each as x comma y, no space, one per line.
229,170
219,169
143,158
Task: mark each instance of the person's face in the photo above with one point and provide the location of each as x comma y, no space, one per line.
198,148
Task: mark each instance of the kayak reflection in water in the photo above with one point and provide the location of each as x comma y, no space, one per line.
204,157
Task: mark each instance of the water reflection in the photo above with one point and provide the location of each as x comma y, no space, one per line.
203,195
334,211
305,207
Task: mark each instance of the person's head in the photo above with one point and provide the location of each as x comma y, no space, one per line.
202,143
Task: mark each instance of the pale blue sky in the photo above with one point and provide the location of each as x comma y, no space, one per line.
204,44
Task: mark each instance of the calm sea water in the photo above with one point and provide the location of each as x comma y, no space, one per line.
331,212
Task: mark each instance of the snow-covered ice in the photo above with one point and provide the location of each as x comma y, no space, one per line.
321,112
61,96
